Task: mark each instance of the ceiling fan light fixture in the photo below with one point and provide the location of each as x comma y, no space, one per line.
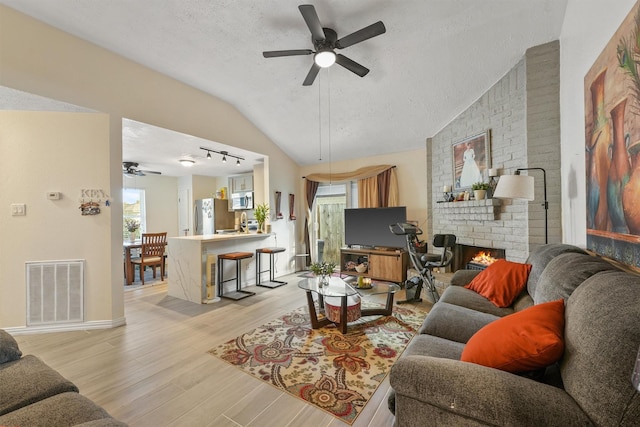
187,163
325,58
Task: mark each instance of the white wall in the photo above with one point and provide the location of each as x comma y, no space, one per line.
65,152
587,28
161,201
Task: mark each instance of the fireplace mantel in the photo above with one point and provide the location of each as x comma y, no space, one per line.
472,210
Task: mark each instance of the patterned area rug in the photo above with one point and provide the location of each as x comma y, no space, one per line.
335,372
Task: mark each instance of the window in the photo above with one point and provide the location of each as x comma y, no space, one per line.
330,203
133,207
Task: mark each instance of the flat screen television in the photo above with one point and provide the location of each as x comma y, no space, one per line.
369,227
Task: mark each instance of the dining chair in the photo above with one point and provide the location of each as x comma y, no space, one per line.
151,254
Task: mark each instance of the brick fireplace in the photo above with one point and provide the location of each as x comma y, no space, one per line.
524,122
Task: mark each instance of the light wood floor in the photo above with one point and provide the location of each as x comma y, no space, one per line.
155,371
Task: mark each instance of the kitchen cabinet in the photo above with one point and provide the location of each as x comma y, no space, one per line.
240,183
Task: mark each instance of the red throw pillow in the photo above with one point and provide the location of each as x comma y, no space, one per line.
524,341
501,282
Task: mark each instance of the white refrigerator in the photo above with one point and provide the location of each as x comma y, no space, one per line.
210,215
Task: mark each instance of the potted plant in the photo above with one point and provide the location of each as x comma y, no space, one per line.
132,225
480,190
261,212
323,271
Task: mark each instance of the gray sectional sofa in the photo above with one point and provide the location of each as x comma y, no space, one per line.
590,385
34,395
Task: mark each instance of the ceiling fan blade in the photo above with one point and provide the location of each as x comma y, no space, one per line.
151,172
361,35
351,65
277,53
311,76
311,18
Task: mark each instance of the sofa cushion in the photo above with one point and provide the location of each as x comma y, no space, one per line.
28,380
464,297
428,345
444,321
602,338
61,410
9,350
501,282
565,273
540,257
525,341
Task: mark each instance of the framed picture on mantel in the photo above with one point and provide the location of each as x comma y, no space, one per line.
471,160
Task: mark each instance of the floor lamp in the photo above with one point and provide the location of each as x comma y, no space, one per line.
521,187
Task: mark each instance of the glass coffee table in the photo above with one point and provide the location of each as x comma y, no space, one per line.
338,288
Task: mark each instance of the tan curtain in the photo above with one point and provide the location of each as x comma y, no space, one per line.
394,195
311,188
368,192
366,172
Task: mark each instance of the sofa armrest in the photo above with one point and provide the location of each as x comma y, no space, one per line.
463,277
449,390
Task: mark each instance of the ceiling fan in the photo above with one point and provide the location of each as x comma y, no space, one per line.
131,169
325,40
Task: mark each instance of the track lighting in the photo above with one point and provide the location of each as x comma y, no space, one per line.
224,155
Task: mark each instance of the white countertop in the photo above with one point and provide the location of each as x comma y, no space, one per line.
221,237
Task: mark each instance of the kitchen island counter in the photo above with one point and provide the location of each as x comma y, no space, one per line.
192,263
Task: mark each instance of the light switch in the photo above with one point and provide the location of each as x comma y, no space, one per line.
18,209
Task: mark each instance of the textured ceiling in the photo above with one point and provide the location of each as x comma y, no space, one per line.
436,58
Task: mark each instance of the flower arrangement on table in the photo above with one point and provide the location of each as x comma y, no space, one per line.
323,270
132,225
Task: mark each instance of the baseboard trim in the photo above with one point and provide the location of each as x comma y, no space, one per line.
67,327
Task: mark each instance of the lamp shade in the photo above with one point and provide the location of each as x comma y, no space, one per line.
515,187
635,377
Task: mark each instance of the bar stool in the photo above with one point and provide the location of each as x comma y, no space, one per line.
237,257
272,283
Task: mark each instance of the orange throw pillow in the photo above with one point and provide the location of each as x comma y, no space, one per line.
524,341
501,282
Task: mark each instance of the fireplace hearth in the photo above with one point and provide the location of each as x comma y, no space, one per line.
475,257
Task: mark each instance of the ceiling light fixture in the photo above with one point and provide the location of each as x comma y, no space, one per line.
224,155
325,58
187,163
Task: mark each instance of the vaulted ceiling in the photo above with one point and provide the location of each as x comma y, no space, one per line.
435,59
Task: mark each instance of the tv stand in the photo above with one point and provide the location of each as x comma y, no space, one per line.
386,265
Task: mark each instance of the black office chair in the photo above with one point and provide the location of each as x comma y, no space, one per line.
424,263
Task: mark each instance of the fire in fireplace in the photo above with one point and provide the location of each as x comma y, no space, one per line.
482,260
475,258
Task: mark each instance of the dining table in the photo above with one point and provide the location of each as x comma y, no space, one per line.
128,266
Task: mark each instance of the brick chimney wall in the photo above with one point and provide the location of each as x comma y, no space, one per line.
522,111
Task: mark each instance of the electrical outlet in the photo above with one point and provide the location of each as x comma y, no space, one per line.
18,209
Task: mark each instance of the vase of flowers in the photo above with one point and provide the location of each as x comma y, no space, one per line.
323,271
132,226
261,212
